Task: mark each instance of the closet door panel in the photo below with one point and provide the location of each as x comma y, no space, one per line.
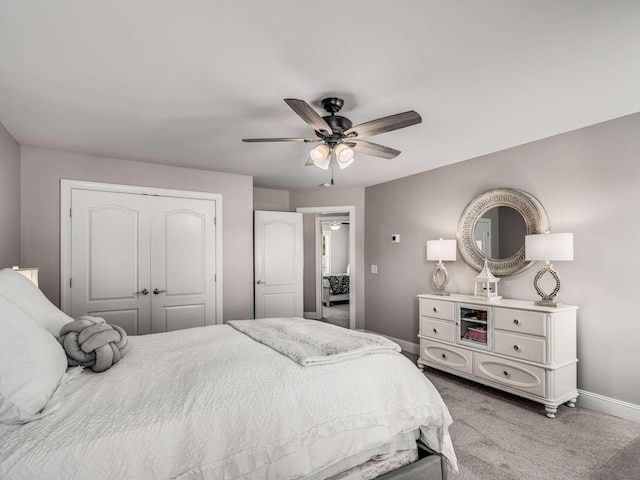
110,258
185,252
182,263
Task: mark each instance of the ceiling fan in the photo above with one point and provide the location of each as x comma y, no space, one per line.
340,139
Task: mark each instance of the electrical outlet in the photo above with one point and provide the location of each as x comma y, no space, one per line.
395,238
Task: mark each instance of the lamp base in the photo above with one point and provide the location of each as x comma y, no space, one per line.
545,303
441,293
547,298
440,278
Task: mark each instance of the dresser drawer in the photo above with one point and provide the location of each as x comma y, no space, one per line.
446,356
520,346
437,308
438,329
520,377
520,321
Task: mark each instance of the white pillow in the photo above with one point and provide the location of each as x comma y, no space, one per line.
32,365
27,296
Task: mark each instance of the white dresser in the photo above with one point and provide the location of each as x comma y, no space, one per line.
511,345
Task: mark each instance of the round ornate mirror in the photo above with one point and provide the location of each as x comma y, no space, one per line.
493,226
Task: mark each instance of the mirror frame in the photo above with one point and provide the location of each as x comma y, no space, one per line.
527,205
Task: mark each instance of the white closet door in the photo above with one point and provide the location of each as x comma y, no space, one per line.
110,258
183,264
146,263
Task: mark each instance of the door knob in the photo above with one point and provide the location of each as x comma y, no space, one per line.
156,291
260,282
143,292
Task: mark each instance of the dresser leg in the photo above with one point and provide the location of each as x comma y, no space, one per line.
572,402
551,411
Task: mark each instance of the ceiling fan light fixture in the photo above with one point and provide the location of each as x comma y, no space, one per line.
321,156
344,155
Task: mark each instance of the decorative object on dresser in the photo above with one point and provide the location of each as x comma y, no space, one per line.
511,345
486,285
492,227
440,250
547,247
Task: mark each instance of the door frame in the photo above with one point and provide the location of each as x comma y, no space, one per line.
67,186
350,210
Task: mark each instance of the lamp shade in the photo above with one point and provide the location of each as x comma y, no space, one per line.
344,155
441,250
549,246
320,156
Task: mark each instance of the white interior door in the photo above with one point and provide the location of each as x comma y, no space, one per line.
110,270
182,264
279,264
146,263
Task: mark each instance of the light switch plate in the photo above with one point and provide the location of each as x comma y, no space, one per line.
374,268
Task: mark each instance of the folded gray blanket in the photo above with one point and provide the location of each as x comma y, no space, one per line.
310,342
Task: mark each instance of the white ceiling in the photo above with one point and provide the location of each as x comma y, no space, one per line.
182,82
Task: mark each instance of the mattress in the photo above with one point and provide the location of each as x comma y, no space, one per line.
378,466
211,403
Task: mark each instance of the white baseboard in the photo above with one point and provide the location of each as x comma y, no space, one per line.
609,405
406,346
311,315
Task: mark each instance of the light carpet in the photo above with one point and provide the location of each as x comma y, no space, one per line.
498,436
338,314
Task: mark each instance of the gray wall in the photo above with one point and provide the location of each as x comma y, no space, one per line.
340,249
9,199
270,199
588,181
331,197
41,171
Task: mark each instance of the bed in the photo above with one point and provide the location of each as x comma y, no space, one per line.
335,288
215,403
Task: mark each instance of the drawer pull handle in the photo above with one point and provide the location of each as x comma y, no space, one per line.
506,373
516,348
444,355
516,321
435,309
435,330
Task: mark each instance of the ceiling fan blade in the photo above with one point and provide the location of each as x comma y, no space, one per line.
309,115
374,149
385,124
305,140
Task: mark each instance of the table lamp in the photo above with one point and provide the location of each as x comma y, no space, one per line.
548,247
440,251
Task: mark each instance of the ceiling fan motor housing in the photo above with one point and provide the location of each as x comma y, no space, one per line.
337,123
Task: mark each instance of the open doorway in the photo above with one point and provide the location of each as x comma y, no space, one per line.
330,278
334,273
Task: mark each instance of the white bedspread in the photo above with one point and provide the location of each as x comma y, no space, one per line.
212,403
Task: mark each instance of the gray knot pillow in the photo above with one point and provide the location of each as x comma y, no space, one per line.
91,342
